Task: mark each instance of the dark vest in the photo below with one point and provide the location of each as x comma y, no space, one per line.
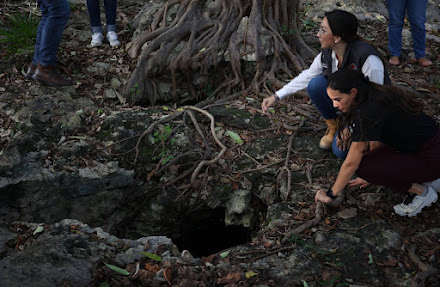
355,56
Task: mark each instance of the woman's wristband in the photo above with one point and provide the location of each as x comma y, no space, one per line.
330,194
276,97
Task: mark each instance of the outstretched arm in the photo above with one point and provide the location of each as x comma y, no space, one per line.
346,172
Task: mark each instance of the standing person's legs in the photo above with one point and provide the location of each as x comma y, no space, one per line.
94,15
35,58
417,18
396,15
110,14
57,15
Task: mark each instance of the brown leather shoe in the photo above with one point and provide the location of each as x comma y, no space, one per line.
30,72
50,76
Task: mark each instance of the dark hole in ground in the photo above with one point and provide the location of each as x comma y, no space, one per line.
204,233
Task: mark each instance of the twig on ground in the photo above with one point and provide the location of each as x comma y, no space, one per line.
426,270
319,215
286,162
274,252
258,168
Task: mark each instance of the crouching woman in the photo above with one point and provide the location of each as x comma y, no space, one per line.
394,143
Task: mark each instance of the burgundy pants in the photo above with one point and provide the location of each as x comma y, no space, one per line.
385,166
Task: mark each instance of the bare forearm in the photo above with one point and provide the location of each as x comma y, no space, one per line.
345,174
349,167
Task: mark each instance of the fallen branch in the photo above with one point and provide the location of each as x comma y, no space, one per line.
258,168
319,215
426,272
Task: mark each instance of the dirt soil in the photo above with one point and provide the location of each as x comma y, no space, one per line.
75,59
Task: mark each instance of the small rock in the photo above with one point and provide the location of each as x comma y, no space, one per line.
347,213
110,94
115,83
408,70
187,256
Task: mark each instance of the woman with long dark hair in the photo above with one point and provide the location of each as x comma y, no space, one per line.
341,48
394,143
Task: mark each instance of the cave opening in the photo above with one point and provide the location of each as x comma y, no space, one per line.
204,233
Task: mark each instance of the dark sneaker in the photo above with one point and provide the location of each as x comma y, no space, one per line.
30,72
413,204
50,76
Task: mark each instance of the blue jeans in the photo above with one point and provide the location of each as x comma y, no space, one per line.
336,151
54,17
95,15
317,90
416,10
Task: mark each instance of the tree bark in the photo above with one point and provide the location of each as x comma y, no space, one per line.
213,41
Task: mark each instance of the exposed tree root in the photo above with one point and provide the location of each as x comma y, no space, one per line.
426,272
206,159
195,44
219,155
286,168
319,215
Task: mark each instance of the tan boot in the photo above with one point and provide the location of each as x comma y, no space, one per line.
327,139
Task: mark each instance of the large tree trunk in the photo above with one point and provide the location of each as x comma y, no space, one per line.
214,40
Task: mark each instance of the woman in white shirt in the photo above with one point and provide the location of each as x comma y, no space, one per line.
341,47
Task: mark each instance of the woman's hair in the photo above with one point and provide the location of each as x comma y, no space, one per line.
344,80
343,24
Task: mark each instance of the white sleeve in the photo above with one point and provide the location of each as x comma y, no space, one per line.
302,80
373,68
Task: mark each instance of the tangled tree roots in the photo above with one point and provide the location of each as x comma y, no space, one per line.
201,35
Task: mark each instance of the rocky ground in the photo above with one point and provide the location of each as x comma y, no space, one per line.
360,243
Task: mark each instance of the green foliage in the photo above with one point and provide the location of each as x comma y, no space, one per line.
234,136
309,24
39,229
74,6
436,82
134,92
152,256
161,136
18,33
285,31
117,269
295,239
208,90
